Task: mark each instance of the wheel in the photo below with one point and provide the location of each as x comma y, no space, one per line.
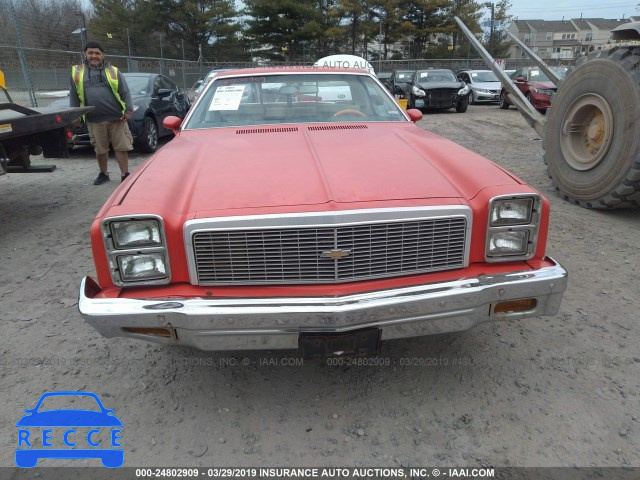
471,98
349,111
148,140
592,138
528,97
462,105
503,101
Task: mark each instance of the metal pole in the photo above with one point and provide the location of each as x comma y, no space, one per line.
491,31
184,75
23,58
161,55
380,43
129,57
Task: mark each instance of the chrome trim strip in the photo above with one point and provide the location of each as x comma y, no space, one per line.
321,219
275,322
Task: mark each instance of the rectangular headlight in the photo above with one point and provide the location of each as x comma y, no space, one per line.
136,268
136,233
506,243
512,211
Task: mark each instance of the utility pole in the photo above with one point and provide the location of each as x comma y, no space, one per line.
129,47
492,6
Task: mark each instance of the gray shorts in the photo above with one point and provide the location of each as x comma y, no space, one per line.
117,132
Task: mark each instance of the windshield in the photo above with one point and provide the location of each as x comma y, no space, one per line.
403,76
137,85
293,98
540,76
484,77
436,76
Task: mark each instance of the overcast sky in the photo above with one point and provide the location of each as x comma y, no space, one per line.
556,9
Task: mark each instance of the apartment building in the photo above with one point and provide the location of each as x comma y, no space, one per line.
563,39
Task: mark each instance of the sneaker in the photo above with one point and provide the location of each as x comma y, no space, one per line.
124,175
102,178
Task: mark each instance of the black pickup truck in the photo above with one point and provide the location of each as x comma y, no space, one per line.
32,131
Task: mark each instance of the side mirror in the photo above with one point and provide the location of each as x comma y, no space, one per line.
519,79
172,123
414,114
164,92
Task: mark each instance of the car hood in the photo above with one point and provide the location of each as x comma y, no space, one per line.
550,85
487,85
255,167
434,85
69,418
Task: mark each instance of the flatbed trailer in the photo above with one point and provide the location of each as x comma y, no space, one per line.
32,131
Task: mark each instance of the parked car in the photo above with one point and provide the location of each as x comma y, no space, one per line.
484,85
535,86
384,77
290,221
437,89
155,97
397,82
200,84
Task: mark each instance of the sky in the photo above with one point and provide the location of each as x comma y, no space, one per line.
556,9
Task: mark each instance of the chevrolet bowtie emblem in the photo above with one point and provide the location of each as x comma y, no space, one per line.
335,254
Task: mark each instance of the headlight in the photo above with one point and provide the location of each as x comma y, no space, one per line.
482,90
514,211
134,268
544,91
136,250
508,243
136,233
464,90
417,91
512,227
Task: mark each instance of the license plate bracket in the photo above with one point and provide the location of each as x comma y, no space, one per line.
356,343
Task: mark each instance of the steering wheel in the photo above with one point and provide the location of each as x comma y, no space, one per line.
349,111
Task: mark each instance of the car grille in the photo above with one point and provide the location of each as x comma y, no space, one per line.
329,254
442,97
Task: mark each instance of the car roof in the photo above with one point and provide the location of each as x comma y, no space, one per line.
439,70
293,69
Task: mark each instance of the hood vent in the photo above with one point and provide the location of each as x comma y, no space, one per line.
339,127
267,130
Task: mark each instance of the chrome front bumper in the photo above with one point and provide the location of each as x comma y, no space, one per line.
271,323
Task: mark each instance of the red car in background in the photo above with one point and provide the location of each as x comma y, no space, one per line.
535,85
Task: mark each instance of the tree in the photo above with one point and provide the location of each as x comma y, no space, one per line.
501,44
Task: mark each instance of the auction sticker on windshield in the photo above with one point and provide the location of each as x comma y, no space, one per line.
227,97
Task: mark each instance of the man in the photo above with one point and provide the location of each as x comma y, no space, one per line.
99,84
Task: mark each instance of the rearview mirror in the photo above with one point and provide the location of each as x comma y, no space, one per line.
414,114
172,123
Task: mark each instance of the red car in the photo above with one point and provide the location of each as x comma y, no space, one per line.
303,208
534,85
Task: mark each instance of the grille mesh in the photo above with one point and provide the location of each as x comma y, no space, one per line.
295,255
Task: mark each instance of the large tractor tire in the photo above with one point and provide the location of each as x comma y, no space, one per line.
592,134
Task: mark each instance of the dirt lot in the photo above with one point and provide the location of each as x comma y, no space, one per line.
558,391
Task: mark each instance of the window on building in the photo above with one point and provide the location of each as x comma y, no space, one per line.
564,36
573,36
556,50
588,37
549,35
527,38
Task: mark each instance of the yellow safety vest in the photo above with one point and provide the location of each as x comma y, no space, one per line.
77,73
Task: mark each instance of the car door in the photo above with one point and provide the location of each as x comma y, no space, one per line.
161,105
520,79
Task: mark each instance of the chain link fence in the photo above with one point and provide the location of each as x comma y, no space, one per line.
36,55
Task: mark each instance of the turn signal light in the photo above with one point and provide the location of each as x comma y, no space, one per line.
160,332
512,306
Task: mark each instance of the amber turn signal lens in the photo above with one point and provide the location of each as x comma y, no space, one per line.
515,306
160,332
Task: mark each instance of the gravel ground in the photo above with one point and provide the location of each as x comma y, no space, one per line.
559,391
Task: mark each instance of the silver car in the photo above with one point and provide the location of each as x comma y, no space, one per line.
484,85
